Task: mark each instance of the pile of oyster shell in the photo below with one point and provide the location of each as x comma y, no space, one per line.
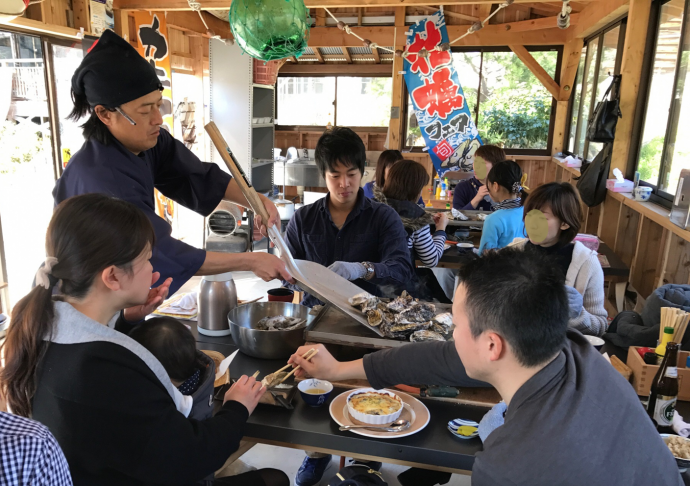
404,317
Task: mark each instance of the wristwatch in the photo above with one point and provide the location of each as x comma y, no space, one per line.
370,271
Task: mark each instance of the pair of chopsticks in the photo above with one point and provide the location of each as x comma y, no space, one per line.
676,319
308,355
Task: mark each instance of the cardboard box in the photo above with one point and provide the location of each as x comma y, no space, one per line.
643,374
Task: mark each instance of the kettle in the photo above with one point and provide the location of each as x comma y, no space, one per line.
217,297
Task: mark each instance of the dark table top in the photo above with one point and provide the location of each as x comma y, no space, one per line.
313,428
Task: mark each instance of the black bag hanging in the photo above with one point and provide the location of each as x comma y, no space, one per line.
592,181
357,475
602,125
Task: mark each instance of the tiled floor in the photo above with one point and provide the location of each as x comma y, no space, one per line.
289,460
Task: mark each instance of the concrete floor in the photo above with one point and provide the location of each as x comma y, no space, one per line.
289,460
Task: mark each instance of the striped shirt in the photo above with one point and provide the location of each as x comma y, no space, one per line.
29,454
429,249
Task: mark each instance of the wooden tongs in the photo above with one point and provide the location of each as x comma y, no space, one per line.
276,378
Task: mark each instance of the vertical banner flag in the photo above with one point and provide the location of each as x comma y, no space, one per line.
437,97
152,34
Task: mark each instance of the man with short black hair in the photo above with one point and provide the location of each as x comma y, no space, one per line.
356,237
359,239
571,418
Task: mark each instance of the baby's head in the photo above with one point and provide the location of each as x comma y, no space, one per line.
172,344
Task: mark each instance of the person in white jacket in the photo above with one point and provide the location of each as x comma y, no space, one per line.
552,215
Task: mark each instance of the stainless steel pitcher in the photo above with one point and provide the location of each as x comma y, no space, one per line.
217,297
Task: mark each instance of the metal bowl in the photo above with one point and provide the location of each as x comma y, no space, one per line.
267,344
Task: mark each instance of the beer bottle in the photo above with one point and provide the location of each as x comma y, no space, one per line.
664,392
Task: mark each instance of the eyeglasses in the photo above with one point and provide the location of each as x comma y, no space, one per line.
125,115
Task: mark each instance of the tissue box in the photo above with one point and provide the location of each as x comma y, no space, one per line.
616,186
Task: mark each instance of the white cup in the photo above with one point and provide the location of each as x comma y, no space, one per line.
642,193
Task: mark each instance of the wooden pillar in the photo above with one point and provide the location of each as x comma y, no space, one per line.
197,50
320,17
631,71
82,17
122,23
571,58
397,124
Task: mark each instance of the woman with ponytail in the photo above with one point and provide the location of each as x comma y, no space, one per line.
506,185
107,400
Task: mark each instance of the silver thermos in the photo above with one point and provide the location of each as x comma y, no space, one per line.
217,296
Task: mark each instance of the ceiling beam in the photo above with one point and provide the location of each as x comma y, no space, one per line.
318,55
346,53
571,60
191,23
320,17
171,5
450,13
533,65
537,24
491,35
313,68
597,15
375,52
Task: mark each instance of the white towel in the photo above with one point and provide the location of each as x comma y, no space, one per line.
679,426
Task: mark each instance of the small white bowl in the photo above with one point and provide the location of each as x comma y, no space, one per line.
595,341
373,419
465,245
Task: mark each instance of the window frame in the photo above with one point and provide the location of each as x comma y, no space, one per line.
581,120
335,101
482,49
658,196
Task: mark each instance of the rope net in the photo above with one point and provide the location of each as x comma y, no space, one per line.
270,29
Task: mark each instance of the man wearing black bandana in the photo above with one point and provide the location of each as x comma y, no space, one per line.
127,155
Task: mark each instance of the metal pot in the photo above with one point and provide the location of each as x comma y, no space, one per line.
267,344
217,296
286,209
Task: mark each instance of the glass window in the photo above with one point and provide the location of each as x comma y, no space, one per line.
577,98
306,101
509,104
661,92
26,166
373,93
586,100
66,61
607,67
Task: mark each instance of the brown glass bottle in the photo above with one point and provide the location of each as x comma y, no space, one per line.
664,391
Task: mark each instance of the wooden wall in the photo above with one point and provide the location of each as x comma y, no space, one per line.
306,137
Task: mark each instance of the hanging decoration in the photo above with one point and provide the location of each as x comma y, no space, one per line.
439,103
270,29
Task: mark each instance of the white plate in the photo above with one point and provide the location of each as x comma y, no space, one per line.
446,247
413,410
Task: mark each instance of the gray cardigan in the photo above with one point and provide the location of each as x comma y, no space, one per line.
576,422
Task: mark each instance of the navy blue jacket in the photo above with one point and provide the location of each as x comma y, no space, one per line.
373,232
465,192
169,167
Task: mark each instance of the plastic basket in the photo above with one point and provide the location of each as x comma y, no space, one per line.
265,73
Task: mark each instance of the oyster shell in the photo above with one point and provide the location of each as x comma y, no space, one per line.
436,327
279,323
403,329
401,303
418,312
375,317
419,336
369,304
445,319
359,299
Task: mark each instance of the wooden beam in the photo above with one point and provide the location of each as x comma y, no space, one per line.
360,13
375,52
294,59
396,126
534,66
82,17
537,24
346,53
491,35
191,23
122,23
320,17
631,71
571,60
450,13
37,27
596,16
327,69
318,55
171,5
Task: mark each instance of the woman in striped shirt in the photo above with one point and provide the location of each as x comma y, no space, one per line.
403,187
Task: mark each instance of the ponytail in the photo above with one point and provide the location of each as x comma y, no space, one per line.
31,322
509,175
86,235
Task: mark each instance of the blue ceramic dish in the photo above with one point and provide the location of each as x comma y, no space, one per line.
459,428
315,399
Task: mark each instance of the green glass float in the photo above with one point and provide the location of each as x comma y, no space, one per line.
270,29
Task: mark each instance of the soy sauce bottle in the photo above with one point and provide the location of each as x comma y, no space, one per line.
664,391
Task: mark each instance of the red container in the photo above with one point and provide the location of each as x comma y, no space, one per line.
281,295
265,72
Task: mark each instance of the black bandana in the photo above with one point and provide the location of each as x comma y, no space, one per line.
114,73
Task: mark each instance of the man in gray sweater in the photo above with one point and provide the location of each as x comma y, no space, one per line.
572,420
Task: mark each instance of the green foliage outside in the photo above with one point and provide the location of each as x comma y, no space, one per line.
650,159
20,143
